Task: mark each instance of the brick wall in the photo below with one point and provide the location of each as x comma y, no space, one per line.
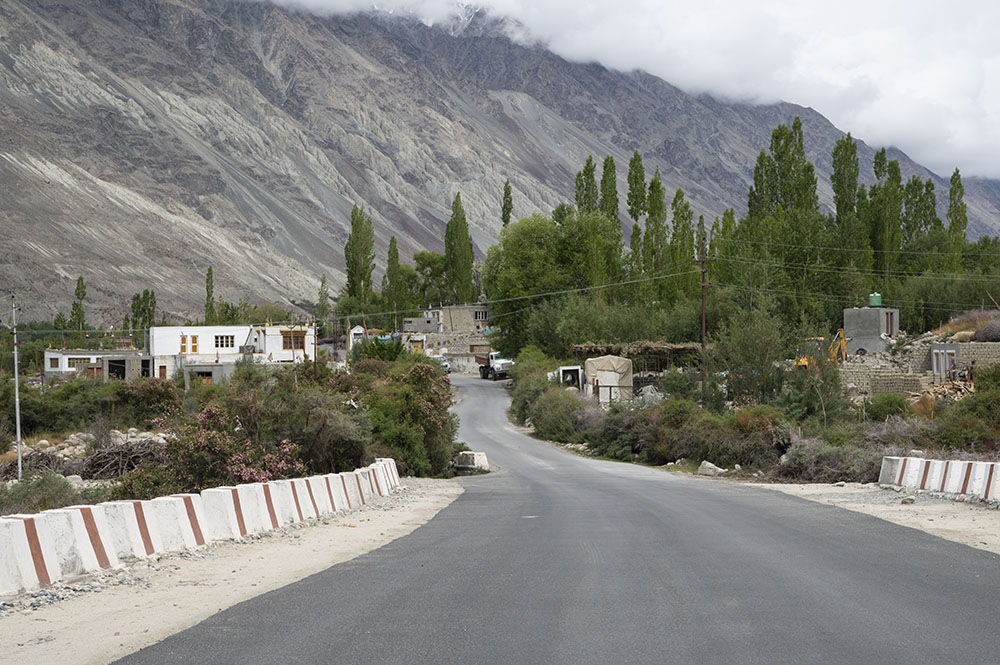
986,354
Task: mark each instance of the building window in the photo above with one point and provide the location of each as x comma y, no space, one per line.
53,363
73,363
225,342
480,314
194,344
294,340
184,344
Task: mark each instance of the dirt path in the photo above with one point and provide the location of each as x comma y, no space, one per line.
972,524
119,613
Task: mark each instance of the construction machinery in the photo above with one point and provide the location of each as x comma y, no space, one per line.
812,348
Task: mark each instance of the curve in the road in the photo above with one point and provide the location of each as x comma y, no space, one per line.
557,558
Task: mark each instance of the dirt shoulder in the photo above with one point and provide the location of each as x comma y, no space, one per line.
101,619
973,524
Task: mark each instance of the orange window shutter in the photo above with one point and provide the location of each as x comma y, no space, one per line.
184,344
194,344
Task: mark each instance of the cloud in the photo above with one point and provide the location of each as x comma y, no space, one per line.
921,76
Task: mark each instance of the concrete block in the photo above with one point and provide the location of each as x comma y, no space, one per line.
131,533
471,460
257,517
63,535
351,495
99,535
322,494
889,475
990,492
25,565
223,512
172,520
958,477
303,494
286,502
913,472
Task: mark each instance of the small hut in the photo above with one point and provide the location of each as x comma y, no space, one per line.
609,378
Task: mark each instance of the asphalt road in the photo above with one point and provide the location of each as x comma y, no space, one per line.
560,559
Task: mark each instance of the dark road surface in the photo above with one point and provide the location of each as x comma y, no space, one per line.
560,559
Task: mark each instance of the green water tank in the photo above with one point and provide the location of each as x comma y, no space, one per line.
875,300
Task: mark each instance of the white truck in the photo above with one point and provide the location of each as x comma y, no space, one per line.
492,366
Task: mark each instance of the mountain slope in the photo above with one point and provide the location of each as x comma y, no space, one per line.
149,139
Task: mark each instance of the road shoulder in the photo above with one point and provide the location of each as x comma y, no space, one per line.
124,611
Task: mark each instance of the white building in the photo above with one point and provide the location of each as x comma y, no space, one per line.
175,347
67,361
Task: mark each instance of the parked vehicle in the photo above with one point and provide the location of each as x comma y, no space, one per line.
492,366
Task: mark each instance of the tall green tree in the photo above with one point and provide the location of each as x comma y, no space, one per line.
783,177
144,310
394,288
586,186
359,255
459,254
958,220
844,179
323,308
682,245
77,316
636,197
655,245
507,204
884,213
609,190
209,298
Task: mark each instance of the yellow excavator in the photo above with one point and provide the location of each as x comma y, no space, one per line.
812,347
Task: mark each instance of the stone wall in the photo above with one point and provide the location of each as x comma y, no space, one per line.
986,354
884,381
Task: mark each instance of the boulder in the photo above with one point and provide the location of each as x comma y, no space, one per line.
708,469
75,481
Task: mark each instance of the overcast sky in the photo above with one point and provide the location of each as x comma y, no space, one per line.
922,76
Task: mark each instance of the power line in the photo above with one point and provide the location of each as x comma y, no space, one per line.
951,277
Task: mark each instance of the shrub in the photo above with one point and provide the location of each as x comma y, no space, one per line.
621,433
885,405
988,332
37,492
531,361
526,392
555,415
815,460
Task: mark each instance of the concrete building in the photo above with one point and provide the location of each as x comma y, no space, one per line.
459,318
870,328
427,324
202,349
95,363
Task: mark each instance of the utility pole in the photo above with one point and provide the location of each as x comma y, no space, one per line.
17,388
704,284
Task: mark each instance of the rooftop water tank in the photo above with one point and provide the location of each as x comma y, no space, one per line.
875,300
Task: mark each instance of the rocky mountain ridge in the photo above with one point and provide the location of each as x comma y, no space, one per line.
145,140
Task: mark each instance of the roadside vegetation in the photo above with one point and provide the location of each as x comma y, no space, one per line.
265,423
773,420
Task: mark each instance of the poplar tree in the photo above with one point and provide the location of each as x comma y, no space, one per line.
586,186
322,307
393,284
359,255
958,220
682,242
459,254
654,242
636,198
209,298
507,205
609,190
77,317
